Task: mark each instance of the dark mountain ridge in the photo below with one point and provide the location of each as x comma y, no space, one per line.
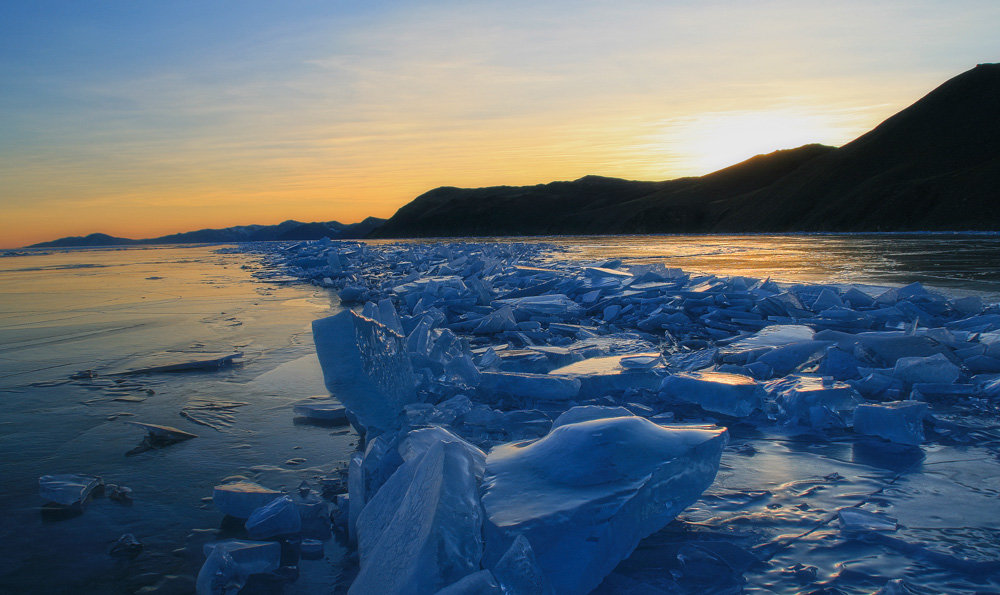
285,231
933,166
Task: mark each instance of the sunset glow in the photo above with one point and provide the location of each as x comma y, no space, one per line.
142,120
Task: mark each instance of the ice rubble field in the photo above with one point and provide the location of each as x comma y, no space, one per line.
529,423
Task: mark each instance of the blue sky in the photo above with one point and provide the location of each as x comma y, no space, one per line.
144,118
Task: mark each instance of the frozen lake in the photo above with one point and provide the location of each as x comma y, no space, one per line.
64,312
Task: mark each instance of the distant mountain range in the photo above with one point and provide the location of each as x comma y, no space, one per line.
289,230
933,166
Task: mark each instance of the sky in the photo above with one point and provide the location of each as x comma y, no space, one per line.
140,118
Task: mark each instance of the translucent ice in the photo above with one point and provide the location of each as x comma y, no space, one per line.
589,412
229,564
934,369
321,409
585,494
898,421
422,531
242,498
602,375
536,386
858,519
67,489
811,401
366,367
728,394
279,517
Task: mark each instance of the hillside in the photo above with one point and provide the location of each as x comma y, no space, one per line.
933,166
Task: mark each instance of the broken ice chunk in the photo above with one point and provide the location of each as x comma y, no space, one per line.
422,531
158,436
729,394
229,563
585,494
67,489
602,375
589,412
202,362
810,400
279,517
477,583
325,410
857,519
552,304
517,570
932,369
365,365
242,498
898,421
538,386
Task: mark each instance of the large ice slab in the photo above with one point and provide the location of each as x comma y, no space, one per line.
729,394
535,386
366,367
422,531
585,494
898,421
602,375
813,401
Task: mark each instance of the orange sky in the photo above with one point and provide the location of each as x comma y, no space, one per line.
138,124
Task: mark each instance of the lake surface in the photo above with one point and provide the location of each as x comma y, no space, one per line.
111,310
114,310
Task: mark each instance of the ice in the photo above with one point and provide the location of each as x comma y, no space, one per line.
729,394
463,347
158,436
477,583
933,369
67,489
418,442
321,409
853,520
898,421
602,375
585,494
553,304
167,362
278,517
229,563
535,386
588,413
311,549
517,570
313,511
366,367
422,531
811,401
240,499
127,546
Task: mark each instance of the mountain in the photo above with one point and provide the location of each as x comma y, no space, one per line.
933,166
94,239
286,231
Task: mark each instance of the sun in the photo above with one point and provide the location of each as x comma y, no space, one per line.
714,140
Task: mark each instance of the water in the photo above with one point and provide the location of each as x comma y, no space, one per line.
112,310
